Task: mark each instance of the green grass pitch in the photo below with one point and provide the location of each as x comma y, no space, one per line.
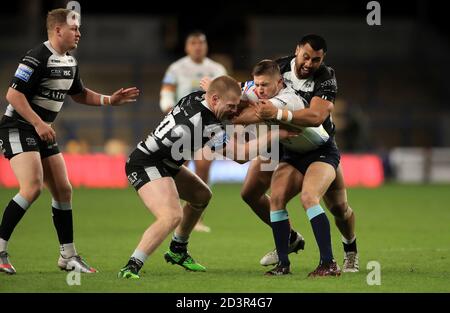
406,228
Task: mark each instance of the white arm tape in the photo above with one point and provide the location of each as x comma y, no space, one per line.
167,100
279,114
102,100
289,117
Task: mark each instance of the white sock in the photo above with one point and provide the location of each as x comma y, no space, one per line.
180,239
139,255
347,242
3,245
67,250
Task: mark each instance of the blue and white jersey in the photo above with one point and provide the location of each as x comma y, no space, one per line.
309,138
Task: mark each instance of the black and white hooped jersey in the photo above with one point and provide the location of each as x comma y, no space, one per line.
45,77
190,126
321,84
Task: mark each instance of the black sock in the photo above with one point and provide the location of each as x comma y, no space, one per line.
11,216
292,236
178,247
62,219
281,231
350,247
321,229
135,263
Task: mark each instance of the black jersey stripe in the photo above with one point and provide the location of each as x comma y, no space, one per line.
46,115
51,94
57,84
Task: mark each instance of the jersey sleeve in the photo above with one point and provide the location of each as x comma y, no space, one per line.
326,85
28,73
170,76
77,85
249,91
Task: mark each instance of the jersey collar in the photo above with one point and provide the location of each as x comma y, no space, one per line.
49,47
205,104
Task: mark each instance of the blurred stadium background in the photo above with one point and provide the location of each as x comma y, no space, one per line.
392,100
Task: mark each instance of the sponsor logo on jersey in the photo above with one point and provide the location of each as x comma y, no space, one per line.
30,141
307,86
133,179
304,85
55,95
23,72
329,82
55,72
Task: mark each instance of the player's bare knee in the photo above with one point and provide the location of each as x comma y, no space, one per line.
202,197
172,220
309,200
341,211
32,191
63,193
277,202
248,196
176,220
66,192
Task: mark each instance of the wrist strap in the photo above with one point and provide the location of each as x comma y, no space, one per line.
289,117
103,98
279,114
284,115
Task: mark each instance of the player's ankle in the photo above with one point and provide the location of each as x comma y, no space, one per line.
292,236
